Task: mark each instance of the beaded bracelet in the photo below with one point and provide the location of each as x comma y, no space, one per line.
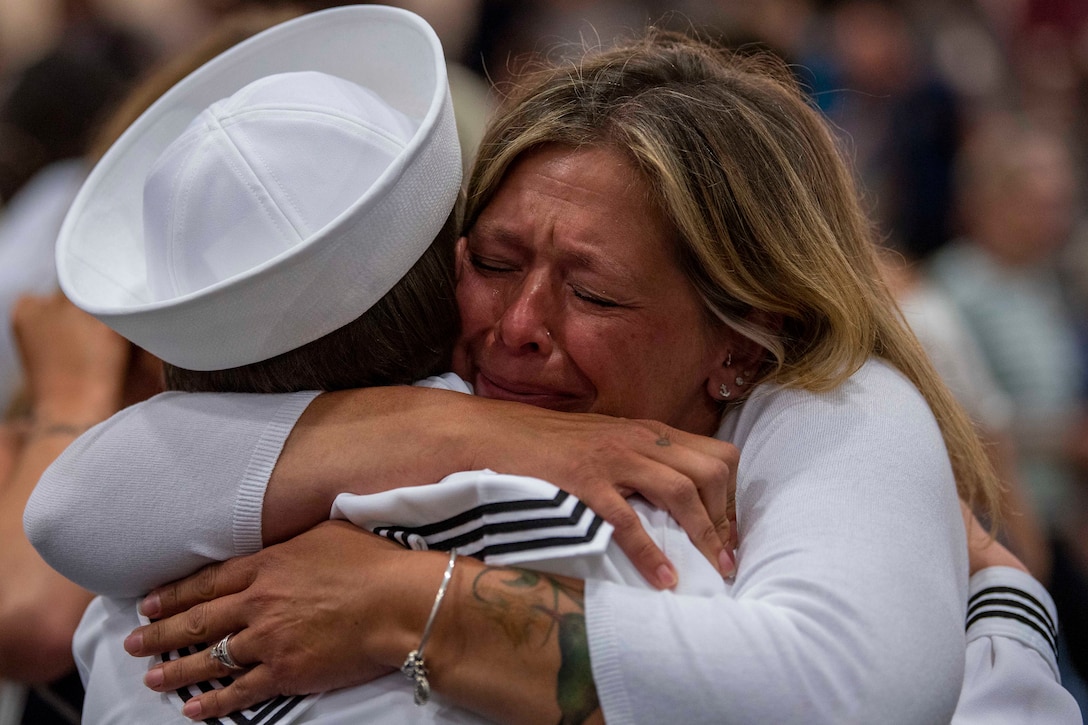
414,668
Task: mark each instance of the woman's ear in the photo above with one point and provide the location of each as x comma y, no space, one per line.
740,359
738,363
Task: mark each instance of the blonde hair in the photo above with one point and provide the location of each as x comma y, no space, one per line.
766,211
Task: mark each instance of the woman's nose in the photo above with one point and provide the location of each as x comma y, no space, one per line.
524,324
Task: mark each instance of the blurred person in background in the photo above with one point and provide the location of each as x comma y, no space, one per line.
53,102
898,118
948,341
1017,192
724,392
55,105
78,372
49,112
74,372
1048,48
513,34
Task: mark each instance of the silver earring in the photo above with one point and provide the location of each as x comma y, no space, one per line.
740,380
729,360
724,392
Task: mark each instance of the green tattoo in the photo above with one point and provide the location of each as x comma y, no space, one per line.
520,601
576,692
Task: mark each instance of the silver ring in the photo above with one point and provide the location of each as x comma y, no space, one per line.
221,652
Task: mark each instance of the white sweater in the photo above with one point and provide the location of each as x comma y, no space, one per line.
848,607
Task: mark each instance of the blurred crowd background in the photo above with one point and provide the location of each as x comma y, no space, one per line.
966,121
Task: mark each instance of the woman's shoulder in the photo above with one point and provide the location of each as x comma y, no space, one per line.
877,398
876,385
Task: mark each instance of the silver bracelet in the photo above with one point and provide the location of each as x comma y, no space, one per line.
414,668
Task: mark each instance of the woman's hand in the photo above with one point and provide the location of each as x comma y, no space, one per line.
983,550
291,616
602,460
74,370
599,459
73,364
338,606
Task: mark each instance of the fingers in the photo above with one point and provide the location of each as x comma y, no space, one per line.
211,582
73,364
193,669
692,477
678,494
697,485
713,470
633,540
982,548
207,622
247,689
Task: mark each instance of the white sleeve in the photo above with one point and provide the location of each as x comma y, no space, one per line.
849,602
161,489
1012,663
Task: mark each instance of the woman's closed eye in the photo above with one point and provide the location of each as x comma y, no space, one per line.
594,299
488,265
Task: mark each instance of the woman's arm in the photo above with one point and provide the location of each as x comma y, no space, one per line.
39,609
169,502
198,478
1012,661
1012,656
848,605
75,370
599,459
1012,666
508,643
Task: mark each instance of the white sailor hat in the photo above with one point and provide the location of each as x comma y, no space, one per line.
273,195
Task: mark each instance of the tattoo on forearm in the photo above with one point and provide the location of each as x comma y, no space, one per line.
524,602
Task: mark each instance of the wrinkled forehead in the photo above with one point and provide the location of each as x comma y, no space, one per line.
591,209
626,178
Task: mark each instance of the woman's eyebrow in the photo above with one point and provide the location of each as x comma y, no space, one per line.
497,233
583,257
600,265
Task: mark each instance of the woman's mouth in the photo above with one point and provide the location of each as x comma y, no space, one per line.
491,386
